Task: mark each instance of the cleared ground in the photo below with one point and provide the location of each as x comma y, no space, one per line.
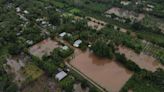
22,71
125,13
96,24
43,84
44,47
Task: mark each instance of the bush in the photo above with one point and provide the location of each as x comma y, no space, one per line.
67,83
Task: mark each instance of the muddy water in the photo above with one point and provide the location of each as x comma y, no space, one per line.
144,61
107,73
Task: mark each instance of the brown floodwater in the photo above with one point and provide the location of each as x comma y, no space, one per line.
107,73
142,60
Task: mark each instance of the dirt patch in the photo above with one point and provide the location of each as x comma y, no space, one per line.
95,24
123,30
125,14
13,67
43,84
44,47
22,71
77,88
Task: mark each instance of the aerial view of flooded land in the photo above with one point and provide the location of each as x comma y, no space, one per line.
102,71
81,46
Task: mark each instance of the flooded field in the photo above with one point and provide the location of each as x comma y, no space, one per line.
125,13
43,48
107,73
144,61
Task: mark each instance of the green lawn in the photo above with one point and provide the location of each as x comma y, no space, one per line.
58,4
31,71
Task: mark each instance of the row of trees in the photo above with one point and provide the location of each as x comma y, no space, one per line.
127,63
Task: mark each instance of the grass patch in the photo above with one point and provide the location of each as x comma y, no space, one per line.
58,4
152,37
74,11
31,71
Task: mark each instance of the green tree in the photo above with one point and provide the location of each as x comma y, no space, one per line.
101,48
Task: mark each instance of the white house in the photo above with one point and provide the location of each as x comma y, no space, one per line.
65,48
125,3
150,6
77,43
89,45
29,42
62,34
18,9
61,75
26,12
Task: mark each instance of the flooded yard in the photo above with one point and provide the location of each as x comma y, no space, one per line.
144,61
107,73
44,47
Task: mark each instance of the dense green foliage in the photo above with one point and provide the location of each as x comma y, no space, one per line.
52,62
68,83
101,49
145,81
127,63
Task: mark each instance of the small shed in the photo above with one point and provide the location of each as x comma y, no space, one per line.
18,9
26,12
61,75
62,34
65,47
77,43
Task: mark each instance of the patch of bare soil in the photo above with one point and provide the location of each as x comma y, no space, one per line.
44,47
43,84
96,24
